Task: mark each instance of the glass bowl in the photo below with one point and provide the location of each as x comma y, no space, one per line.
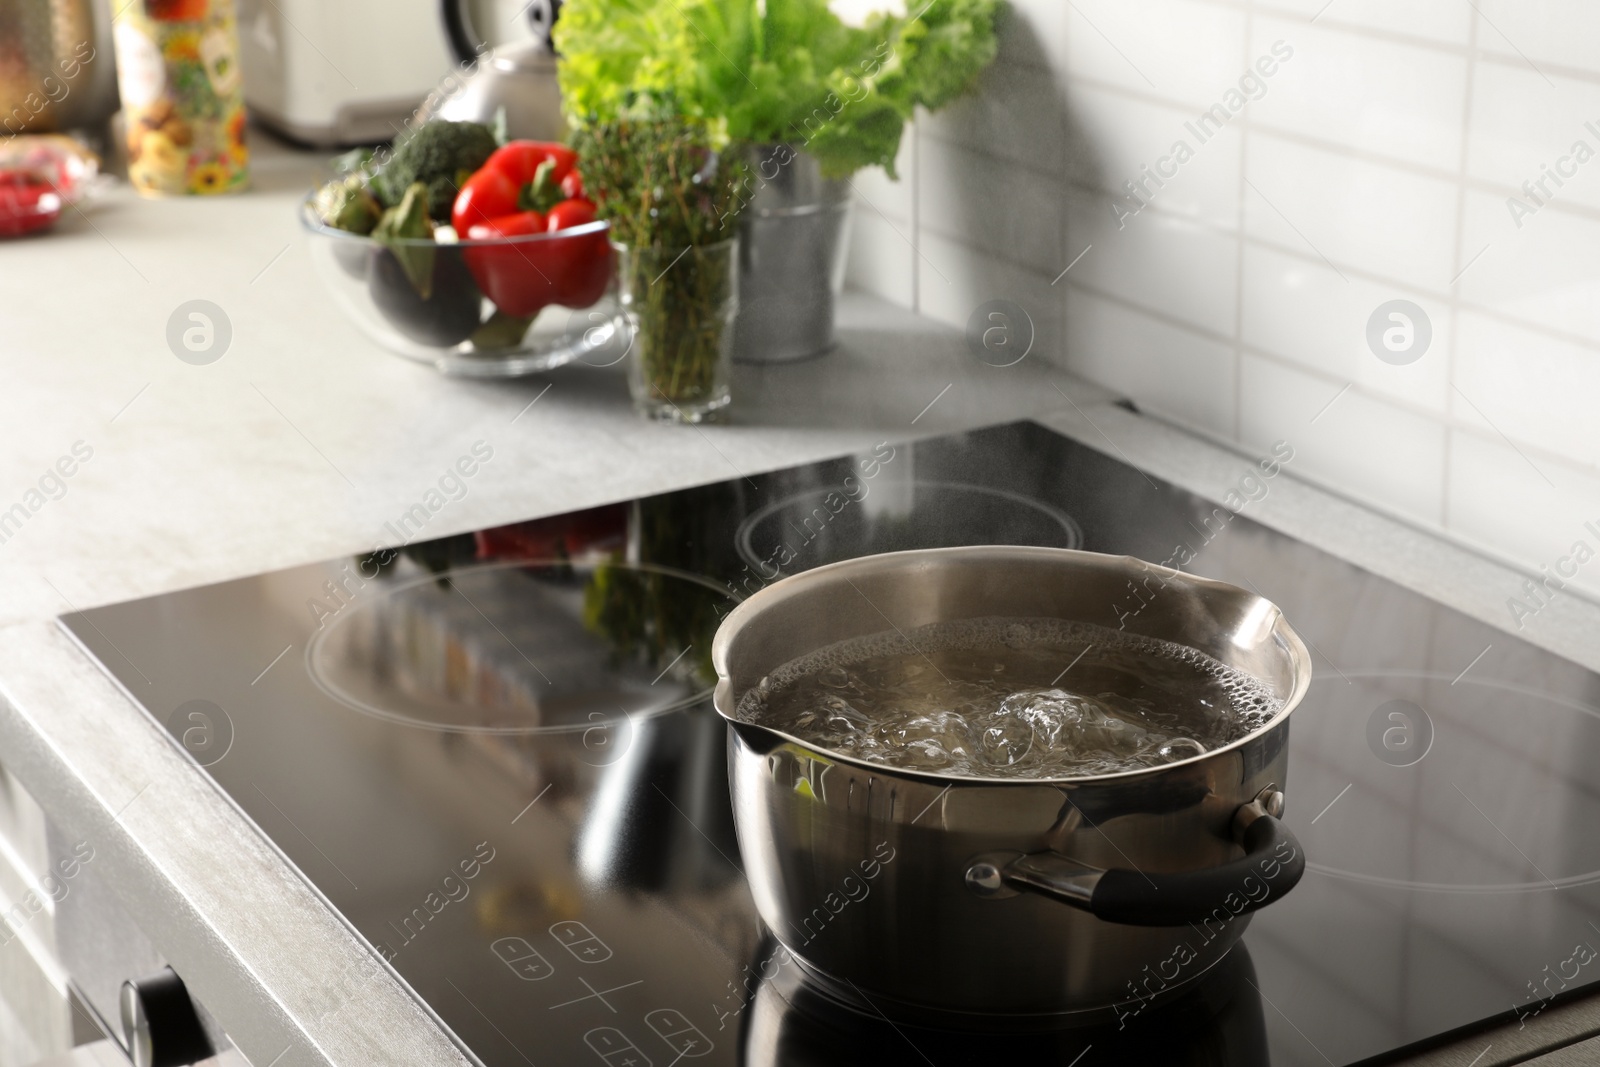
456,328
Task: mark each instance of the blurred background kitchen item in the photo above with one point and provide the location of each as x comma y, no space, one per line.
339,73
182,96
56,71
354,72
69,167
517,78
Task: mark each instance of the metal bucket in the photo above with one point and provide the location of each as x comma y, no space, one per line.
793,240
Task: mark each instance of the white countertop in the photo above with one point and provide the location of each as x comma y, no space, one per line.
305,437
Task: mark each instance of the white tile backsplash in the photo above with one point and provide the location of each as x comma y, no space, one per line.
1018,115
1561,32
1376,166
881,261
1500,498
954,279
1298,310
881,195
1395,455
1392,223
1546,273
1389,98
1196,57
1442,21
1034,33
1524,126
1013,213
1123,135
1533,387
1163,367
1168,264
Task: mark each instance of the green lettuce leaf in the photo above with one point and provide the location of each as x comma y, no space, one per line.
774,70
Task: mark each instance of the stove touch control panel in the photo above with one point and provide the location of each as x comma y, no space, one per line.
634,1037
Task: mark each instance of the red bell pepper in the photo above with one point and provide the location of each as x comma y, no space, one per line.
523,190
28,203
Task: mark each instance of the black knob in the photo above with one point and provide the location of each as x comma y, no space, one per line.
160,1023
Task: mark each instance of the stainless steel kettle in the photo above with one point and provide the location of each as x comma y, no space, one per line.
56,70
518,78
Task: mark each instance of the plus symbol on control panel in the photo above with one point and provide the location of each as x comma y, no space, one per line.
596,994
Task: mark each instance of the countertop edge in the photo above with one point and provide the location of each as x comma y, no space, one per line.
205,886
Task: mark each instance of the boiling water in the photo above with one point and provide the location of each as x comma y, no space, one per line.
1011,698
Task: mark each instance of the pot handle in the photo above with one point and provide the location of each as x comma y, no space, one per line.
1273,863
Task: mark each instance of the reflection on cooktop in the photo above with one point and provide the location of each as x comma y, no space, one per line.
530,701
1215,1019
521,645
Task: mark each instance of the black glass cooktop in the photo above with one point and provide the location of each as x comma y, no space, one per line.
494,755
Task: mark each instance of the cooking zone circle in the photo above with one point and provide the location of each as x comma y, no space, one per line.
524,647
1488,794
831,523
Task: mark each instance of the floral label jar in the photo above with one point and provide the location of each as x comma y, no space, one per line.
178,73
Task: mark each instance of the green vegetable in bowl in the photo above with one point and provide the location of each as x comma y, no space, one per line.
399,231
441,155
347,204
424,290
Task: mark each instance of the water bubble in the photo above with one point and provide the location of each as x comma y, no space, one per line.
1180,748
933,699
840,716
837,677
1006,742
934,740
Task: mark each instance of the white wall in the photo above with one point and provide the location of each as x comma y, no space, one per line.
1376,165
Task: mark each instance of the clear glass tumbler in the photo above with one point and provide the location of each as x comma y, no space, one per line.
679,306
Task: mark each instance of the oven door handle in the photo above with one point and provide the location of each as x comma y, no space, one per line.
1271,866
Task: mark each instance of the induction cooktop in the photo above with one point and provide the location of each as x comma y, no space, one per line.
493,754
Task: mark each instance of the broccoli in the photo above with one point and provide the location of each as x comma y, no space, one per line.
438,154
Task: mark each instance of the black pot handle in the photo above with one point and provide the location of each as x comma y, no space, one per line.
1272,864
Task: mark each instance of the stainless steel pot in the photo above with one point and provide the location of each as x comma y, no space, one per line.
1005,897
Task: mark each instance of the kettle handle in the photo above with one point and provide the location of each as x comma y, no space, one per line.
1272,865
467,44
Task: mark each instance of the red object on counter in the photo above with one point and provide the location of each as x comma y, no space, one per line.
177,10
28,203
523,190
512,180
597,531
